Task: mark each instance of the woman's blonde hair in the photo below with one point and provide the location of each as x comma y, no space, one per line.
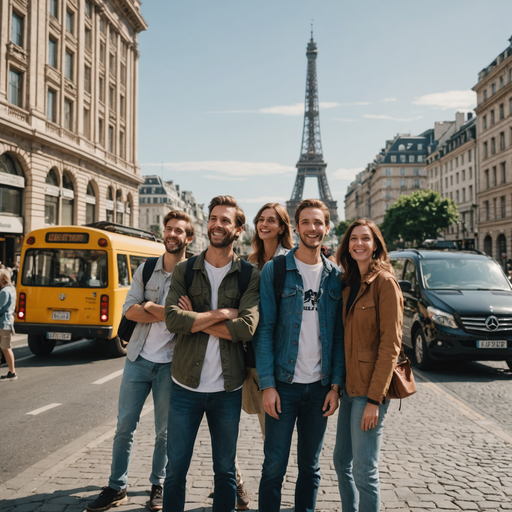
285,238
380,259
5,276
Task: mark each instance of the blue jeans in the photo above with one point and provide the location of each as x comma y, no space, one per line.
356,456
301,403
139,378
186,411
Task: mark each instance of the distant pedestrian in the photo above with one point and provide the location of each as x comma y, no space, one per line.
14,276
7,307
148,367
372,317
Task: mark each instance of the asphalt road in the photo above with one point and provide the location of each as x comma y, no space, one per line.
66,377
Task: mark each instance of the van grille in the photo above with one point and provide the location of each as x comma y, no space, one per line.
477,323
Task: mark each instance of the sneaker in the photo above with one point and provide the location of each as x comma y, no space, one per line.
155,498
242,499
10,376
108,498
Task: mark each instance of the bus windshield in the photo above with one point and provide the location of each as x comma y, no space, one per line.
65,268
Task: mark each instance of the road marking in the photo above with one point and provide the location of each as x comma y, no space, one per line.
109,377
42,409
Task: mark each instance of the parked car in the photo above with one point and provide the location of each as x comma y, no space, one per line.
457,305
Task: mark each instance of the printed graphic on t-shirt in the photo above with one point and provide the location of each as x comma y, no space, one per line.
310,300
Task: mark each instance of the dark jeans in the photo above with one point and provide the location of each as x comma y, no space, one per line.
186,410
301,403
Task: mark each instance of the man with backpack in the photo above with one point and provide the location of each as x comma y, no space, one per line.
148,364
212,306
299,357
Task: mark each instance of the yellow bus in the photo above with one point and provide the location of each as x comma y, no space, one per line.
73,281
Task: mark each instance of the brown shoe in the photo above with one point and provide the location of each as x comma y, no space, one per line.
242,499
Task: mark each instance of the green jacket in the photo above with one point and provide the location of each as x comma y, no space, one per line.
190,349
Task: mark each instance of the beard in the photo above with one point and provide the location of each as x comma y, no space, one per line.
174,250
228,239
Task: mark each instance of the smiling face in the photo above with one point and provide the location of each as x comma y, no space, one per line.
267,226
222,230
361,245
311,227
175,236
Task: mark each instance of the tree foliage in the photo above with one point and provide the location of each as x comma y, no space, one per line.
419,216
155,229
342,227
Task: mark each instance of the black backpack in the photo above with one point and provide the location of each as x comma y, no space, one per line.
243,282
126,327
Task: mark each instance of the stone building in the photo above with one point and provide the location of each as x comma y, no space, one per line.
452,171
158,197
494,156
357,198
68,115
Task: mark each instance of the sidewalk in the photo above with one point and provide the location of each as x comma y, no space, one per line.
438,454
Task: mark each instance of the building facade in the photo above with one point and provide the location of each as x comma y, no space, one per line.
494,156
68,115
158,197
452,171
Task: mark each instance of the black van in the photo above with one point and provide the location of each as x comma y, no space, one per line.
457,305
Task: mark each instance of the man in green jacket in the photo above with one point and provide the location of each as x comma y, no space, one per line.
211,319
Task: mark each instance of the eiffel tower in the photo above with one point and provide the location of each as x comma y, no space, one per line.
311,162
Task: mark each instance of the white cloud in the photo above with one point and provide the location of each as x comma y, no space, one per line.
222,178
227,168
391,118
388,99
263,200
345,174
462,100
297,109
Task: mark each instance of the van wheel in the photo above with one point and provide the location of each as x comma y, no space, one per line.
423,360
40,346
117,347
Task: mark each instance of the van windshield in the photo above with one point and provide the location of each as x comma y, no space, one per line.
65,268
463,274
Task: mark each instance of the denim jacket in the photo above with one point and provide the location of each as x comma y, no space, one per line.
7,307
276,341
154,292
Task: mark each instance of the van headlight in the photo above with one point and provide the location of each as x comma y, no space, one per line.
442,318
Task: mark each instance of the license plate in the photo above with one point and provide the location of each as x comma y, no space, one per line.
491,344
61,315
59,336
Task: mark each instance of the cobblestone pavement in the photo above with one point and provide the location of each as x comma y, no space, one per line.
438,454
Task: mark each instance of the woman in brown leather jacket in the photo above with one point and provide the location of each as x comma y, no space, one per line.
372,316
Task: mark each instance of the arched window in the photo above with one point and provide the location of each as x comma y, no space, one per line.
68,201
12,184
51,198
90,204
128,210
119,207
110,205
502,251
488,245
401,147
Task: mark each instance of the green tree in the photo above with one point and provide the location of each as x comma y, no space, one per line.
155,229
342,227
419,216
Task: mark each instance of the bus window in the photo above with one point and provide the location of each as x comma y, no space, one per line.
135,262
65,267
122,270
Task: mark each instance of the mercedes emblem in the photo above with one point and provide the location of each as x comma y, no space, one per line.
492,323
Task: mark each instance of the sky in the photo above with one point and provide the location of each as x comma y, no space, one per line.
222,85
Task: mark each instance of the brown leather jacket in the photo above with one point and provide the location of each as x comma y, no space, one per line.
373,335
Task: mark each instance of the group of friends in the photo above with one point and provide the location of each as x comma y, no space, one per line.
322,339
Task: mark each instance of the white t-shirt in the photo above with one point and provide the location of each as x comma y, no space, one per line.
212,379
159,345
308,368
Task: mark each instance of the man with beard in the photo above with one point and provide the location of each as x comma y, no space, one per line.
300,364
147,367
211,317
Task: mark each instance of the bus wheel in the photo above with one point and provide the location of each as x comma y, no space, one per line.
117,347
40,346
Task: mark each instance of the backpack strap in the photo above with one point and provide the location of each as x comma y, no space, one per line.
147,271
189,272
279,279
244,277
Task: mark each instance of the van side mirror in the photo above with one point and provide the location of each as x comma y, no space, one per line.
406,286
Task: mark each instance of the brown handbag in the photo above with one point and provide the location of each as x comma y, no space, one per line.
402,382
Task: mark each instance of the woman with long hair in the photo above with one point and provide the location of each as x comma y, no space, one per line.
273,234
373,317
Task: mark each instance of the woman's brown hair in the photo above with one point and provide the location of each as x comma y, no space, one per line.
380,259
285,238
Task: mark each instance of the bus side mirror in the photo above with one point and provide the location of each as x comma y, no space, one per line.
405,286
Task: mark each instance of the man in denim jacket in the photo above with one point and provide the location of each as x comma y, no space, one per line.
300,359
